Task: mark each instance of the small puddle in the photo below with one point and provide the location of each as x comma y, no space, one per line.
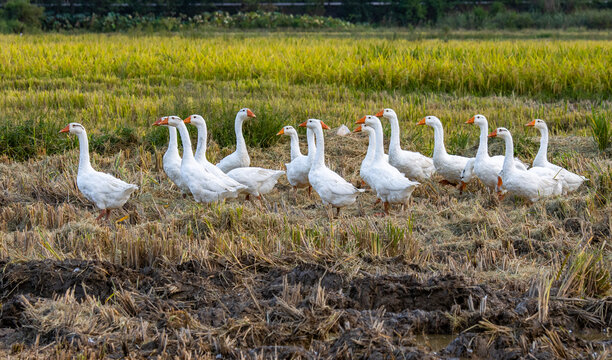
435,341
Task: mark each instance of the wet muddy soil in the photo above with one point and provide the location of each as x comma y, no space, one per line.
257,310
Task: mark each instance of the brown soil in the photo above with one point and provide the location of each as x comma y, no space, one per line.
250,309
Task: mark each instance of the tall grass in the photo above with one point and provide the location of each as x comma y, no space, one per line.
116,85
601,130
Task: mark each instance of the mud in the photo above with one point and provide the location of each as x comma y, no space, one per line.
305,311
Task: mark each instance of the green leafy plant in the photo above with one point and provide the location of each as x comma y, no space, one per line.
600,130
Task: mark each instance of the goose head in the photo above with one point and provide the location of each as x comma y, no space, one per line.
430,121
196,120
369,120
539,124
500,132
287,130
73,128
169,120
245,113
479,120
314,124
387,113
364,128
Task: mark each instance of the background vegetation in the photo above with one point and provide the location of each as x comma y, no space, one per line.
21,15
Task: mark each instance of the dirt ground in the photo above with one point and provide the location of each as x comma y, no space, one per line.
250,309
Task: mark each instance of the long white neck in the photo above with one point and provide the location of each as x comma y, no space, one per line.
371,148
187,150
200,154
295,145
483,146
173,143
312,148
439,149
509,158
84,163
320,154
240,144
541,157
380,149
394,144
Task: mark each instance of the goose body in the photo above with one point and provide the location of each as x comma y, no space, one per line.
259,181
486,167
104,190
298,168
171,162
390,184
532,184
570,181
331,187
448,166
205,186
240,157
412,164
200,154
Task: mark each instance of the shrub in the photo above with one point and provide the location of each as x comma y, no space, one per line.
20,15
601,130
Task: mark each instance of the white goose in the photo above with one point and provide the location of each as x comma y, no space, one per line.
531,184
390,185
486,167
240,157
449,166
200,154
172,160
104,190
259,181
569,180
365,170
204,185
298,168
331,187
412,164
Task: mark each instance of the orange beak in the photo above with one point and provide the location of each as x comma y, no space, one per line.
162,121
324,126
380,113
493,134
188,120
532,123
302,124
471,121
422,122
358,129
361,121
250,113
282,131
66,129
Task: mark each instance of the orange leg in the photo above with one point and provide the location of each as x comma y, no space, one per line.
101,215
309,190
461,187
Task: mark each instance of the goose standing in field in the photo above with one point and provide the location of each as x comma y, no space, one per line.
172,161
569,180
240,157
259,181
449,166
104,190
412,164
298,168
331,187
200,154
486,167
390,184
531,184
205,186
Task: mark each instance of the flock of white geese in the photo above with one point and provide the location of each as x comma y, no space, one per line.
393,176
